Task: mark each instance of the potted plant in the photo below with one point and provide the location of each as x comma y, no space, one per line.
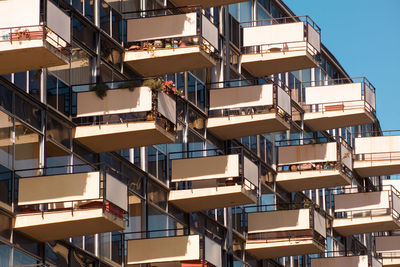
100,89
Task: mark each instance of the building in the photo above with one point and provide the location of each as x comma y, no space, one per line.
187,133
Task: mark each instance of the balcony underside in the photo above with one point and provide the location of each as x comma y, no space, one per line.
111,137
367,224
392,262
28,55
313,179
205,3
191,200
266,250
164,61
319,121
54,225
263,64
367,168
232,127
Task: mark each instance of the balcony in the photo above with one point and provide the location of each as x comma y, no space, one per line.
247,110
279,45
215,181
70,205
128,116
377,155
173,248
358,213
313,166
31,38
389,249
339,105
296,232
353,261
170,41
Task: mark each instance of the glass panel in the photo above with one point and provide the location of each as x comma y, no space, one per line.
58,132
34,83
57,254
26,149
56,157
22,259
5,255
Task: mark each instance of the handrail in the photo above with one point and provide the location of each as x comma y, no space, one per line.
284,20
337,81
23,33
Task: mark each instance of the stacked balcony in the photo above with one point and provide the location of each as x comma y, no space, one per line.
339,105
279,45
313,166
358,213
210,182
29,40
128,116
55,207
247,110
281,233
389,249
377,155
353,261
170,41
173,248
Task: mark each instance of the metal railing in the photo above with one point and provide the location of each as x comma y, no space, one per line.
366,89
239,180
291,46
368,212
102,201
151,115
338,164
161,43
285,235
251,110
35,32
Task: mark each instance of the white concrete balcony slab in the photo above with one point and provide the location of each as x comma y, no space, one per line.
339,105
280,45
377,155
171,43
29,41
75,205
313,166
248,110
357,213
125,119
297,232
216,182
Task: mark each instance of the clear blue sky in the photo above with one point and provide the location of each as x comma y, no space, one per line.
365,38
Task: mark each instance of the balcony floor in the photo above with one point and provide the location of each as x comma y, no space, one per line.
367,168
111,137
313,179
54,225
263,64
28,55
192,200
319,121
232,127
362,225
266,250
164,61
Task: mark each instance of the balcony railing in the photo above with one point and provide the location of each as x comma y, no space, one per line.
173,245
302,222
276,41
181,34
70,197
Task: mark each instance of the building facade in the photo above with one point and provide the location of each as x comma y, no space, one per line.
187,133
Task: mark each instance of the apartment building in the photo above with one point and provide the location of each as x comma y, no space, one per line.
187,133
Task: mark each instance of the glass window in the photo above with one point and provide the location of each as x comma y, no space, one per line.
26,149
245,11
58,132
5,255
84,33
28,112
6,97
57,254
20,80
157,194
105,17
81,66
21,259
34,83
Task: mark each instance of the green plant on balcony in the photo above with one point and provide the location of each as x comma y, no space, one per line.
100,89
